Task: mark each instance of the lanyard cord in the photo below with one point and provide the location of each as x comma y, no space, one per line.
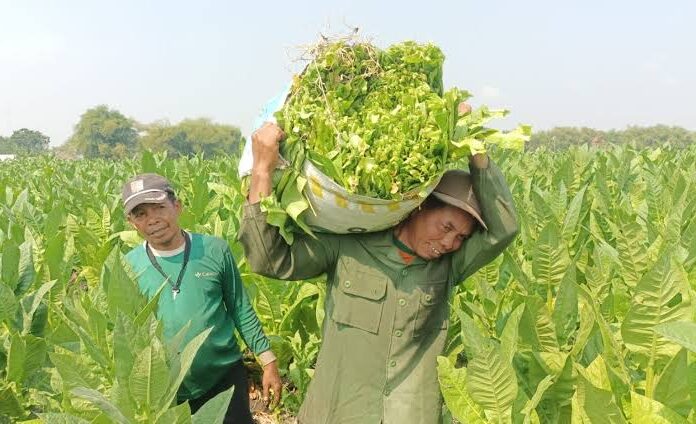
187,253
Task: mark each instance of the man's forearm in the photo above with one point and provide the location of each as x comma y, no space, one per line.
261,185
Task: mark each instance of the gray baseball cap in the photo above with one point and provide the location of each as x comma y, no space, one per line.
145,188
456,189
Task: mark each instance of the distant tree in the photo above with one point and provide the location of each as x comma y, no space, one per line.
564,137
652,136
104,132
29,142
192,136
5,147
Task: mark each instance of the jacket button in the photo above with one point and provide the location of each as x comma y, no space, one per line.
392,364
402,302
347,284
428,298
404,272
398,333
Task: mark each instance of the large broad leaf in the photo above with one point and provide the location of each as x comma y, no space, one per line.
453,387
15,358
549,261
124,351
492,383
648,411
10,264
149,378
121,292
186,358
100,401
8,303
214,410
630,243
34,313
680,332
572,217
672,388
536,328
595,405
661,296
61,418
179,414
612,349
9,403
26,272
508,339
73,372
565,311
530,406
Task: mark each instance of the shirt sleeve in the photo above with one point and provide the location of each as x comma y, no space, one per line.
268,254
237,302
498,210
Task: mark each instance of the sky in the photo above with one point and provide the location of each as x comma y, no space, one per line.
602,64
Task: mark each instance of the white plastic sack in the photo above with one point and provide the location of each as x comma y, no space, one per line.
334,210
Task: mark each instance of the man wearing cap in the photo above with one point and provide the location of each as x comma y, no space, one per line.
203,287
387,292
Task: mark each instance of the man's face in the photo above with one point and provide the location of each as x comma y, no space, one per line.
436,232
158,223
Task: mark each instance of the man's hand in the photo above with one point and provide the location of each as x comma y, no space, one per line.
463,108
264,147
272,386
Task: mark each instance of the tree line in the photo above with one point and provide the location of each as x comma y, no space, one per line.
105,132
560,138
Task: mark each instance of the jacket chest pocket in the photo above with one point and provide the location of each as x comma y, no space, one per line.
432,307
359,298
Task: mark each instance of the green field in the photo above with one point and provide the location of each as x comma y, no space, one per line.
587,318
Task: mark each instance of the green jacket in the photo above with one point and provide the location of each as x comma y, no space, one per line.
212,295
386,321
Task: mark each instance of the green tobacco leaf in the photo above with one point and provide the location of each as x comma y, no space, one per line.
565,312
8,303
179,414
121,292
536,328
9,403
453,387
186,358
597,405
61,418
681,332
72,371
572,217
213,411
632,252
672,389
26,271
550,259
529,407
10,264
101,402
612,350
661,296
124,351
149,378
648,411
492,383
508,339
15,358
